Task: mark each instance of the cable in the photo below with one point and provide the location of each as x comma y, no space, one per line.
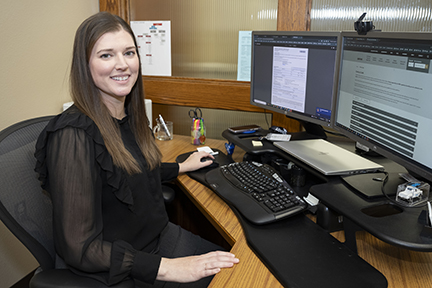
265,116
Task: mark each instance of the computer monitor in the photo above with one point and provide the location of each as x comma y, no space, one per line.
384,98
294,73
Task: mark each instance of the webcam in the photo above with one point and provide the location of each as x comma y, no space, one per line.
362,27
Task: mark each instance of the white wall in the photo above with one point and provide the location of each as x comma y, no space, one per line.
35,53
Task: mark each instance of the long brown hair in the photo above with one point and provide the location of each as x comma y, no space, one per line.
87,98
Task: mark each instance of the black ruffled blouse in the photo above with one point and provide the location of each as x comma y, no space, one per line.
106,222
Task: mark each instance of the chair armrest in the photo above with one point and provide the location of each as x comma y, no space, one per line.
56,278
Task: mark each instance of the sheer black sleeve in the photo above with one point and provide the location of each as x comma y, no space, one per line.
76,190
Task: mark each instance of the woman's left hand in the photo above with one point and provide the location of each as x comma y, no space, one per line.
193,162
193,268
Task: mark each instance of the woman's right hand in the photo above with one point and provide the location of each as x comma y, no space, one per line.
193,162
193,268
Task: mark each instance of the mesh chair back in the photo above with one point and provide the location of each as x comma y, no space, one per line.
24,208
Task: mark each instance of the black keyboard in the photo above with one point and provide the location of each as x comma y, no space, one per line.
256,190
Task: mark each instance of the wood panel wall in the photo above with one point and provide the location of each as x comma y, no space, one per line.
293,15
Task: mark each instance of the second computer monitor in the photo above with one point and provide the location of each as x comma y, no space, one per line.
294,73
385,96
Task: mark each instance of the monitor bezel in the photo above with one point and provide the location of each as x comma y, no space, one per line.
294,115
416,169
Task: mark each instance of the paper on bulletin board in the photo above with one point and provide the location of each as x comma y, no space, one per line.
154,46
244,56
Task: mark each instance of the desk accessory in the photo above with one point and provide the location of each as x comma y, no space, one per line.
163,130
277,137
277,129
229,148
208,150
164,126
244,129
413,192
198,129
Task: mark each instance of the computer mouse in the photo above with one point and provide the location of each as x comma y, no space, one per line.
277,129
213,165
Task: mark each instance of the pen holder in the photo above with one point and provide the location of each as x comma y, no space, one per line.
198,131
160,131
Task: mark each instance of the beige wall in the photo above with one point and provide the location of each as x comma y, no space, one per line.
37,39
35,52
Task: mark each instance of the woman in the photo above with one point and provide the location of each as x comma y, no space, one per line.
100,163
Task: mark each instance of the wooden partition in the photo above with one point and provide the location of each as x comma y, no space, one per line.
293,15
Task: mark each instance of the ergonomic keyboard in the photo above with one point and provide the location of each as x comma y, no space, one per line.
256,190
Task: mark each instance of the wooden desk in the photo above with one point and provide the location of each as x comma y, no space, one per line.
401,267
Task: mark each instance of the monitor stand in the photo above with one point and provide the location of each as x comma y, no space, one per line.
312,131
369,185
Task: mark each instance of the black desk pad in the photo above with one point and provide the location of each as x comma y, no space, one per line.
199,175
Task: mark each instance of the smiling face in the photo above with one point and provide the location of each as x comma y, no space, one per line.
114,65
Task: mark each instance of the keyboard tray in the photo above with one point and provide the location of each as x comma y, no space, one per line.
301,254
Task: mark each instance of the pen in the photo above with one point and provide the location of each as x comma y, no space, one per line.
164,126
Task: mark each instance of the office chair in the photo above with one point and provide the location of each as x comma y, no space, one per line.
26,210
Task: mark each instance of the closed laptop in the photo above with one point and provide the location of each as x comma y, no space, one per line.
328,158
